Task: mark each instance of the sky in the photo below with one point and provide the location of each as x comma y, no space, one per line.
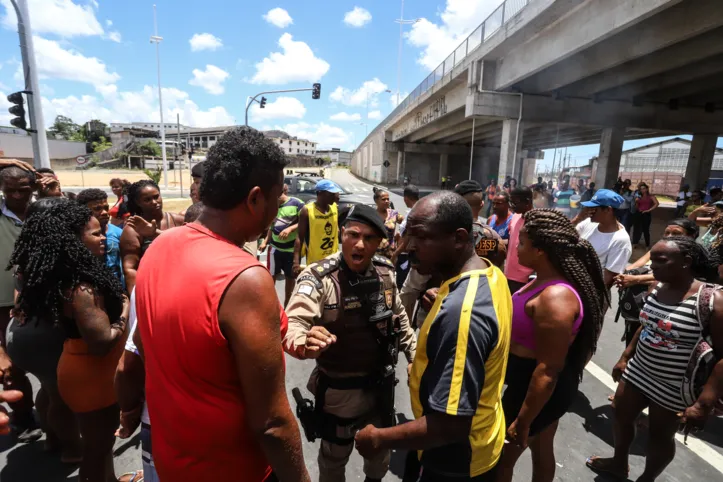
96,61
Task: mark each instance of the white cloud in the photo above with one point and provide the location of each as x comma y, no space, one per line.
4,106
297,63
327,136
375,114
357,17
58,17
55,62
344,117
279,17
109,23
205,41
393,99
459,19
281,108
370,88
211,79
114,36
127,106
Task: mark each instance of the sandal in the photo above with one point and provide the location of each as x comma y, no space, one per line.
136,476
593,463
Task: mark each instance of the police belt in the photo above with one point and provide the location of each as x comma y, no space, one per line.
327,423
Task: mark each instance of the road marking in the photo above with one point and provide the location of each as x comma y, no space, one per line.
697,446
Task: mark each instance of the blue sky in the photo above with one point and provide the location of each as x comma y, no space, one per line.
96,61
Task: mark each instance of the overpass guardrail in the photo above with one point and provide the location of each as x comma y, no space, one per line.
490,26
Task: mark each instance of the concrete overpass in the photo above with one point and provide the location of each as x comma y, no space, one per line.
538,74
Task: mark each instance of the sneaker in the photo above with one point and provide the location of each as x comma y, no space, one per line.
28,433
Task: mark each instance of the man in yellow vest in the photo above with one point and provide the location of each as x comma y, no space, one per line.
318,225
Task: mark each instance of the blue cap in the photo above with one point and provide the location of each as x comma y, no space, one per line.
328,186
604,197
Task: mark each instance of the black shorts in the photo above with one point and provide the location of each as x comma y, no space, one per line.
517,380
280,262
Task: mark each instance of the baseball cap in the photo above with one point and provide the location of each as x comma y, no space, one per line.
718,204
604,198
466,187
329,186
198,169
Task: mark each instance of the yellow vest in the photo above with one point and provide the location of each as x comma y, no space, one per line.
323,233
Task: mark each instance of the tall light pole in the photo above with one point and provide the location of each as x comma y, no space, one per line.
366,129
402,23
32,86
157,40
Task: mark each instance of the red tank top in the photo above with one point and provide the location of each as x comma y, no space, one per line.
194,396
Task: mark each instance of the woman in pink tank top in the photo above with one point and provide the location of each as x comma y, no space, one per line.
556,322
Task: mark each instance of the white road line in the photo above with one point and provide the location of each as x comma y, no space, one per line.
697,446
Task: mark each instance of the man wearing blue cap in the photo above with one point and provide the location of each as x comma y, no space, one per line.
598,225
318,225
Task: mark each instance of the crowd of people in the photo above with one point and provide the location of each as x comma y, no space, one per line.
134,317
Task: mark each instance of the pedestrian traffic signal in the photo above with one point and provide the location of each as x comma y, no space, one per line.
316,91
263,102
18,110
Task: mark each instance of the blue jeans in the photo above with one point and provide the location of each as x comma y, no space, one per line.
149,468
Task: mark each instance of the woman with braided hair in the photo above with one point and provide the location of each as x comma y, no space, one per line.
147,221
556,322
652,370
60,260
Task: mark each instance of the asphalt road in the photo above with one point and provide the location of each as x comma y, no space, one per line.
585,431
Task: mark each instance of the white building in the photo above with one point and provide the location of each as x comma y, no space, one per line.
145,125
337,156
292,146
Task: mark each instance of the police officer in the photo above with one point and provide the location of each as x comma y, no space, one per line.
338,316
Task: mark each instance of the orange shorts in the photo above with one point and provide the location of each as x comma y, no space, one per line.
86,382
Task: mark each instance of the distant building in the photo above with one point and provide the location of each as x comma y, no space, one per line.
292,146
145,125
337,156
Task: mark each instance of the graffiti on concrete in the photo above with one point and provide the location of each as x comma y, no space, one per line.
422,117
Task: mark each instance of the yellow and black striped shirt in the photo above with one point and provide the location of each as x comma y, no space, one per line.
460,368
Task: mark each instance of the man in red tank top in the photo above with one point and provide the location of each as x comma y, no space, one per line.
210,330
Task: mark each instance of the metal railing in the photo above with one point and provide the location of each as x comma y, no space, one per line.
492,24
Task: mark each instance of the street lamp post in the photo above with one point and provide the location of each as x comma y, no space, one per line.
366,129
402,23
157,40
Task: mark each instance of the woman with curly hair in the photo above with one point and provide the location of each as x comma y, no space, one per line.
652,370
59,256
147,221
556,322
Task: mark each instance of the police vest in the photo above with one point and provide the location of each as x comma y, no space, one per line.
323,239
361,300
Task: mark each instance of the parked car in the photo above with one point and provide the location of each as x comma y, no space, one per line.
304,188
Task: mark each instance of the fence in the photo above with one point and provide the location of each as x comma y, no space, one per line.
492,24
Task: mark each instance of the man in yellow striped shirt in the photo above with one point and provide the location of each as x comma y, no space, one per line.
458,373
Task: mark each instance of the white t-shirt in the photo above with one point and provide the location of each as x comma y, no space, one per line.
684,197
131,347
613,249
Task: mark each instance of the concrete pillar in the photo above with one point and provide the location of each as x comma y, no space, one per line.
611,149
700,160
443,170
510,146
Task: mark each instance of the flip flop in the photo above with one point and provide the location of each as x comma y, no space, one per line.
590,462
136,476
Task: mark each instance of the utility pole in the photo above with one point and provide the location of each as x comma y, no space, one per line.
157,40
401,23
41,157
178,145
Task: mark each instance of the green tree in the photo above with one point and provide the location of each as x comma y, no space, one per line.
155,175
64,128
101,144
149,148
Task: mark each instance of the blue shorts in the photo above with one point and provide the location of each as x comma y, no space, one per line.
280,262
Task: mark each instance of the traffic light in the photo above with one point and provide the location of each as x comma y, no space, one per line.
316,91
263,102
18,110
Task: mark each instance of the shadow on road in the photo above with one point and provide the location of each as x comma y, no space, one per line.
29,462
599,422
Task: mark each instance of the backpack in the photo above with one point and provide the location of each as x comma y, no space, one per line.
703,359
632,299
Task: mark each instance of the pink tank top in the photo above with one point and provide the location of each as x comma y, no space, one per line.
523,326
